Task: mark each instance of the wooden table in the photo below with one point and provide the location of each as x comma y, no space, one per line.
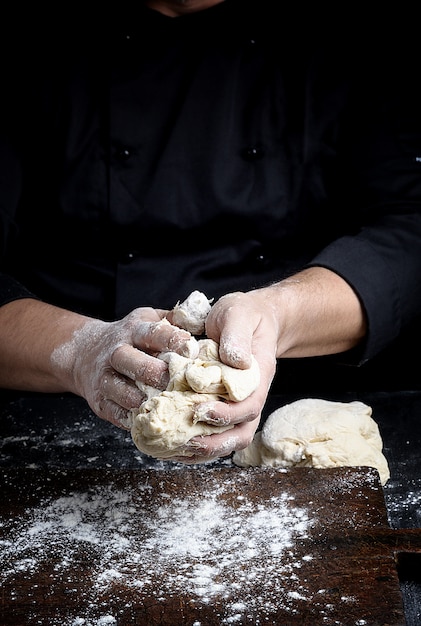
200,547
59,434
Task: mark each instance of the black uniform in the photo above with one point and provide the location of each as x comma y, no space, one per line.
143,157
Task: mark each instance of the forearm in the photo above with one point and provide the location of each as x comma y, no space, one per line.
30,331
317,313
313,313
47,349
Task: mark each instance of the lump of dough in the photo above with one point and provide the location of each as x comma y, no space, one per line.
192,313
167,420
317,433
207,374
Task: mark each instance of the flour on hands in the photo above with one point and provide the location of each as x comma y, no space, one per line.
167,420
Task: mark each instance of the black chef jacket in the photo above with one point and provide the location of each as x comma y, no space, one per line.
143,157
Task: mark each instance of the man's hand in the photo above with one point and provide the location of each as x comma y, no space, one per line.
51,350
312,313
107,359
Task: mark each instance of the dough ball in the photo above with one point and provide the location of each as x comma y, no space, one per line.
207,374
167,420
192,313
317,433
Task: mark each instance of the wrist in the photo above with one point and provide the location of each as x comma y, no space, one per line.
33,329
318,313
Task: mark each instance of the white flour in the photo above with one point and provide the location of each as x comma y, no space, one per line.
200,547
408,503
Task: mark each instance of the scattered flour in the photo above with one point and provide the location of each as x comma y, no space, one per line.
407,505
200,547
128,550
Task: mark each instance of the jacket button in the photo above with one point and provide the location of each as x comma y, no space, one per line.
127,257
253,153
260,259
123,154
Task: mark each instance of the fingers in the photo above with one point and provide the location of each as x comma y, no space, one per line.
114,414
128,355
231,324
244,415
212,447
121,391
137,365
155,337
223,413
138,361
110,411
112,357
115,398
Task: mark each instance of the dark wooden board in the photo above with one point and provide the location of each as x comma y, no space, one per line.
198,547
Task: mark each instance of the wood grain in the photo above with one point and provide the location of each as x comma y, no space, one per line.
340,570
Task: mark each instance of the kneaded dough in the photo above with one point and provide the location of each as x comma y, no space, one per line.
192,313
167,420
317,433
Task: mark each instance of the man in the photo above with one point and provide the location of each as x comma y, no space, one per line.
213,145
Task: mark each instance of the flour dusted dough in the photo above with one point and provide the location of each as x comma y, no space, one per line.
167,420
192,313
317,433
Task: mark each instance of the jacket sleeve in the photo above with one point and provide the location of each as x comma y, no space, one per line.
379,183
10,190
